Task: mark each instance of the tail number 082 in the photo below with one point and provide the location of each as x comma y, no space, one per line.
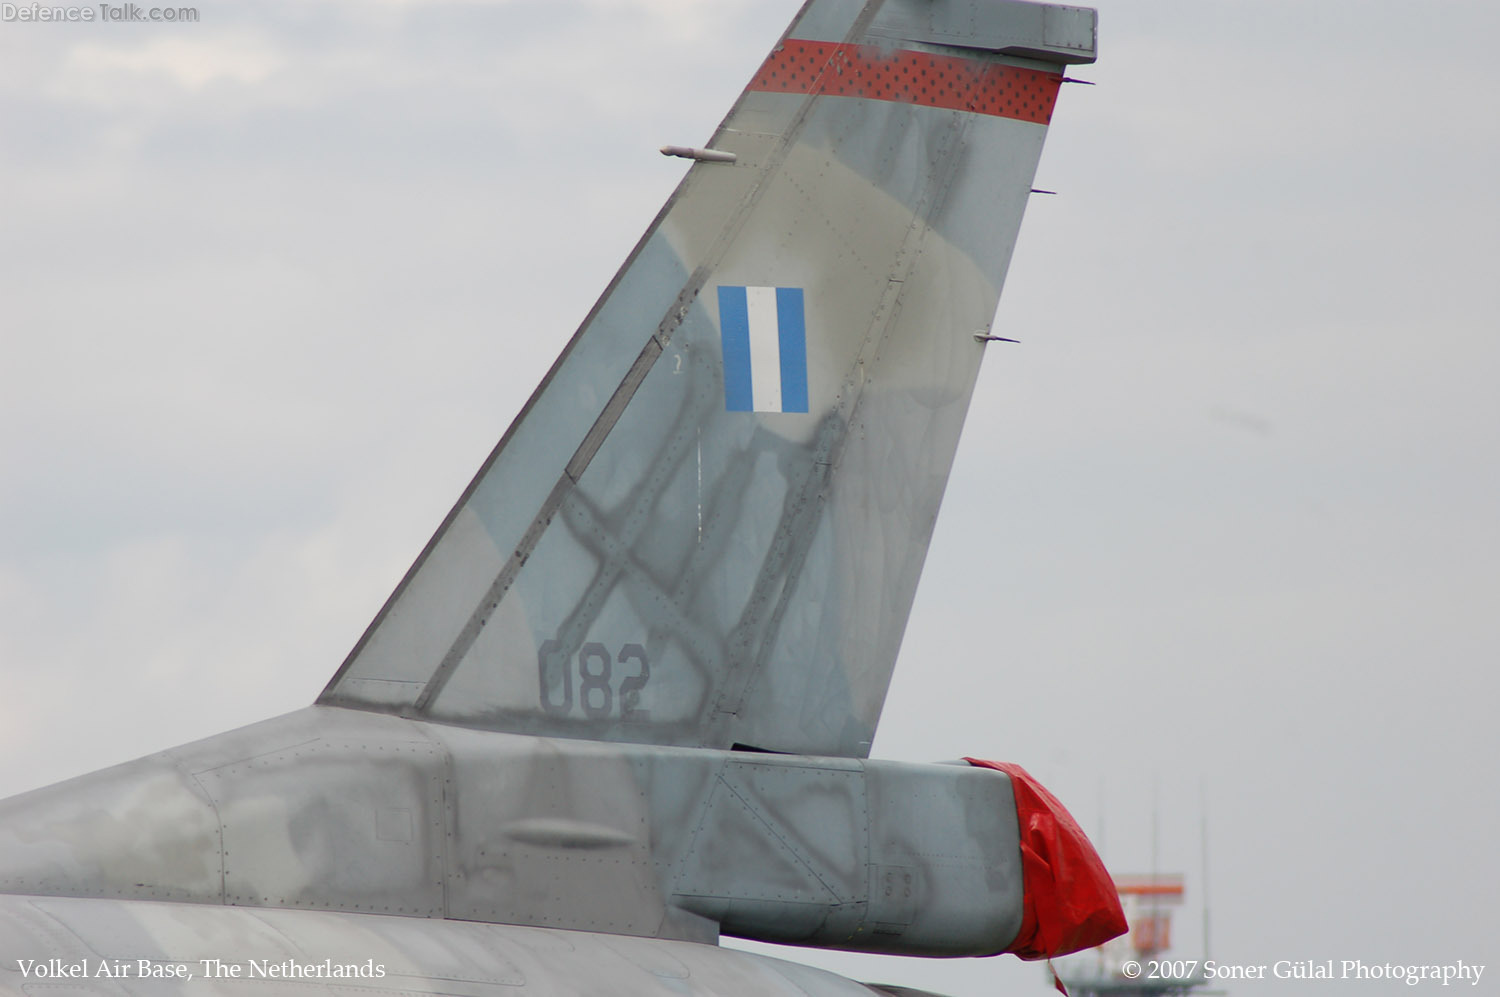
596,669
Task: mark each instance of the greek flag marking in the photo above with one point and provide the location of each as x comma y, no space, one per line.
764,332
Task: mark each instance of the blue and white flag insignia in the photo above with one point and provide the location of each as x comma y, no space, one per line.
765,349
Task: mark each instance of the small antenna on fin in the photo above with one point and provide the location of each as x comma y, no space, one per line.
700,155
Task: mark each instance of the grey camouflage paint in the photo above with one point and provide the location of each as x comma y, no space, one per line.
336,809
637,581
750,574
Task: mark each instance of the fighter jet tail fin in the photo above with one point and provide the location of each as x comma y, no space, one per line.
707,524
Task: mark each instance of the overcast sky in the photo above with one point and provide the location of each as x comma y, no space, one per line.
1223,526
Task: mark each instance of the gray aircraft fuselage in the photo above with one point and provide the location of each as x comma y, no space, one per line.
623,701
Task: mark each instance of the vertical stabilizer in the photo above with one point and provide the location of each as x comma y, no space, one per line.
707,525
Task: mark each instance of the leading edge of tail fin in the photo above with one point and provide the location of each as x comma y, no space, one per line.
707,525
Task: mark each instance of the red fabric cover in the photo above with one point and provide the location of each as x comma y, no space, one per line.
1070,902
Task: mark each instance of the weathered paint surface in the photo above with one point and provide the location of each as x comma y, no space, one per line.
668,549
702,535
345,810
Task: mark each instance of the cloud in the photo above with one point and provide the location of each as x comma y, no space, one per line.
95,70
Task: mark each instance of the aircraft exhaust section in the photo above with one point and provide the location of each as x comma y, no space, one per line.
330,809
1071,901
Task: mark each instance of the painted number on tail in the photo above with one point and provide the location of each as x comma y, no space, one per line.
598,695
764,332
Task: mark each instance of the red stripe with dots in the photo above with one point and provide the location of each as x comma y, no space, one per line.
908,77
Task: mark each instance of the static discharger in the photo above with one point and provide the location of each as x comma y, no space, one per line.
701,155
